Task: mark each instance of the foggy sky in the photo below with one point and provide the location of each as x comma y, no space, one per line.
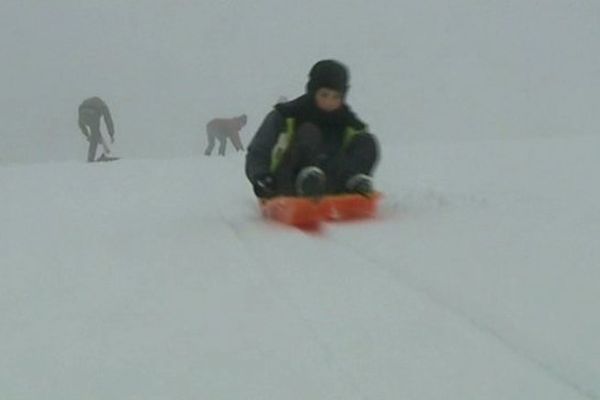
425,70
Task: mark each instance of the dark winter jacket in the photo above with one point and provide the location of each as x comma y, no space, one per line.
266,149
90,112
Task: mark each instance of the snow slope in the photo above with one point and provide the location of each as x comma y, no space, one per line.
157,279
154,277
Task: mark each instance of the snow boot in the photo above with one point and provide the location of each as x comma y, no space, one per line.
310,182
361,184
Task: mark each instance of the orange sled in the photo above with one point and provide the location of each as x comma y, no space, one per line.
308,213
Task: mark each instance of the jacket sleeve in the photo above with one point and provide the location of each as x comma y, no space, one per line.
108,121
83,129
258,156
236,140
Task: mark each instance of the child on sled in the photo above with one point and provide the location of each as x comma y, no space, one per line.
313,145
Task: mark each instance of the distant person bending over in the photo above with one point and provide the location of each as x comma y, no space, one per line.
222,129
315,144
90,112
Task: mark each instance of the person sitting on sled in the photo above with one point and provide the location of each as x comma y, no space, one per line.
313,145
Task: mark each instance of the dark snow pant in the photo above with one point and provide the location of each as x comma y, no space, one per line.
307,150
91,119
211,143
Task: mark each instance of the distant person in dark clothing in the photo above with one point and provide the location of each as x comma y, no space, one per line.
222,129
314,144
90,112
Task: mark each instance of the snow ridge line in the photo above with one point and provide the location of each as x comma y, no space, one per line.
552,373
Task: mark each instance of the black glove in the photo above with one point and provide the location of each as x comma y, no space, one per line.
264,186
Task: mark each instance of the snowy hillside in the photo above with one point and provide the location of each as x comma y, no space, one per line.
158,279
154,277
